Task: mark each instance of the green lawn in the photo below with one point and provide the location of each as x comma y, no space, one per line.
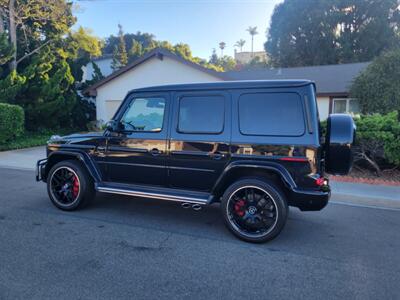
31,139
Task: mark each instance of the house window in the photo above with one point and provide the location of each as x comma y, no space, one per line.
346,106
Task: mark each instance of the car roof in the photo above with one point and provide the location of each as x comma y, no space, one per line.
218,85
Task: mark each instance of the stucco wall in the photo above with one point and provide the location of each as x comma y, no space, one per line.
104,65
323,107
150,73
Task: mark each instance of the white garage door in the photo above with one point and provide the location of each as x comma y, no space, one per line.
111,107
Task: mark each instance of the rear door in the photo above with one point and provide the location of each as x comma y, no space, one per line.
200,135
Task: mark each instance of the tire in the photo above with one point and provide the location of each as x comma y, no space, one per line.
75,190
257,216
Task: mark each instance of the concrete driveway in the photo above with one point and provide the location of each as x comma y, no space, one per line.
23,158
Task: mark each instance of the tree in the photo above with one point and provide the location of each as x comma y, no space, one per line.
254,64
136,51
82,46
252,31
146,40
377,87
305,33
222,47
214,57
41,74
31,26
6,49
240,43
120,56
227,63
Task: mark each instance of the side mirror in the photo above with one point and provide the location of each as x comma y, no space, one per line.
112,126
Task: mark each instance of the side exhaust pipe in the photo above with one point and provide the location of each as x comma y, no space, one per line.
186,205
195,207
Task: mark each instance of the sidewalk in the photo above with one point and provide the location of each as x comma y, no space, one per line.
365,194
366,190
22,158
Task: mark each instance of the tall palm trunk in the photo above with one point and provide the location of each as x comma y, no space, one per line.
13,34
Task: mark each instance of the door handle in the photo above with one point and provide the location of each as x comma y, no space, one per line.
155,152
217,155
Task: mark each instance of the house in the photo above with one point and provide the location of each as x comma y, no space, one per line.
103,62
160,66
157,67
245,57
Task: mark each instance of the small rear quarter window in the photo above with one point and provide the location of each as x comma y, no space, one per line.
272,114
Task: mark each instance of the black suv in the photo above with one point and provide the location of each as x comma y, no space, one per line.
254,146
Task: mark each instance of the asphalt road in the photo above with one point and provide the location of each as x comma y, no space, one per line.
148,249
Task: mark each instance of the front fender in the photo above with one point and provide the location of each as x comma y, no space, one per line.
83,157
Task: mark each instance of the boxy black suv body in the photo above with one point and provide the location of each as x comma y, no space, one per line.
254,146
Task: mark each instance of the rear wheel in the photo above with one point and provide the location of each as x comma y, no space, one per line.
254,210
69,185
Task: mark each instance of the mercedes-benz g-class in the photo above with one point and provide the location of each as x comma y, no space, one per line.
254,146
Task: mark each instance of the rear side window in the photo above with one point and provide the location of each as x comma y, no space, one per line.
201,114
275,114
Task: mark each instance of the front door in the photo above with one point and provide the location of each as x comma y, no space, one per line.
200,137
136,154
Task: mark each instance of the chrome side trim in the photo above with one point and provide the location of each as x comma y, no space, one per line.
143,194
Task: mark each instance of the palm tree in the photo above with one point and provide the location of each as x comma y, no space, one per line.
222,47
253,32
240,43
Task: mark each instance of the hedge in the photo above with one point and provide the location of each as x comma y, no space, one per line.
12,119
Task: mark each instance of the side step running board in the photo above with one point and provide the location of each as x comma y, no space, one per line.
155,193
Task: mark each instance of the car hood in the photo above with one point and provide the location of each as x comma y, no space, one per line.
74,138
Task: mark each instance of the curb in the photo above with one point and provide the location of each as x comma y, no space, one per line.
373,181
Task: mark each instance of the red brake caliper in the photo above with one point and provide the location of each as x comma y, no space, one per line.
75,187
240,208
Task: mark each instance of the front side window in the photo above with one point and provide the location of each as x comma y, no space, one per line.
346,106
271,114
201,114
144,114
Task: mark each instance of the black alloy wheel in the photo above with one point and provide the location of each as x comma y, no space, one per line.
69,185
254,210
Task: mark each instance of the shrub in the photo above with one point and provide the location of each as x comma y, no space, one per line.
378,139
377,87
12,120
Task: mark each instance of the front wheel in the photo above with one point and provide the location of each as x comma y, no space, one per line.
254,210
69,185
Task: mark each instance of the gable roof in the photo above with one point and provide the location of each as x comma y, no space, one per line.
158,53
329,79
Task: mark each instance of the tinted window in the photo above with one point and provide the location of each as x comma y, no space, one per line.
144,114
201,114
271,114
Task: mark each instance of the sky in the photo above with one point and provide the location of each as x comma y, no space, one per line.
200,23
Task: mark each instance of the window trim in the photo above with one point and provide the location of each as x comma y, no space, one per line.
201,132
273,135
131,101
347,105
